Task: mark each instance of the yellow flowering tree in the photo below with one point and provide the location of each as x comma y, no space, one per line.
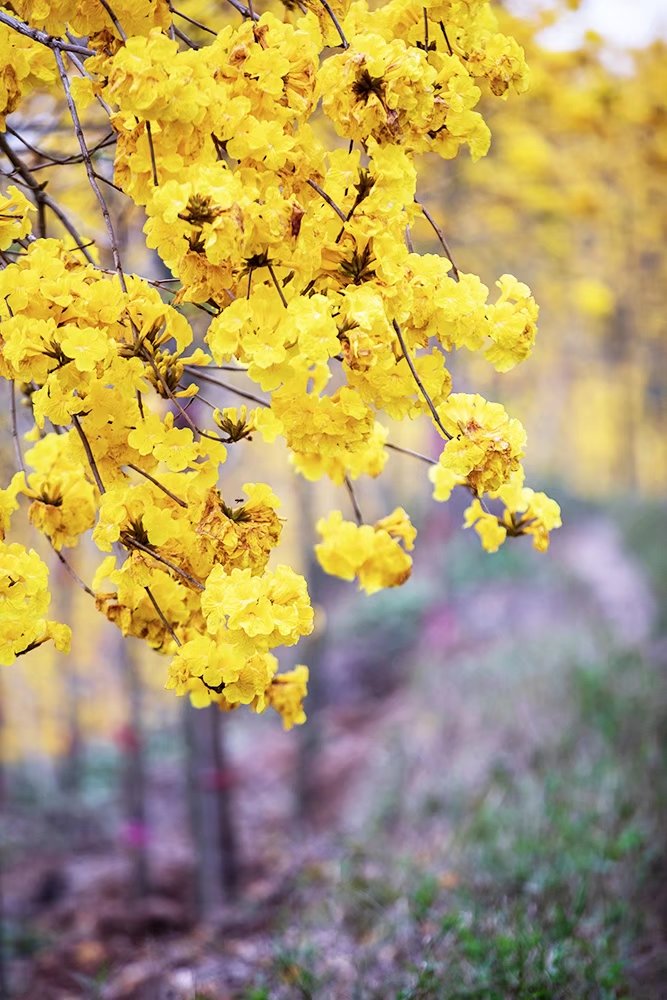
274,159
579,170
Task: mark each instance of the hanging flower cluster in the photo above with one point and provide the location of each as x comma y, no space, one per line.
299,248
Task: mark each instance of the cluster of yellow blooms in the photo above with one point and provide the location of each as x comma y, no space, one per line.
579,169
301,251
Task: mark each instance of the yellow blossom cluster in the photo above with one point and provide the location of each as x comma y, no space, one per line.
298,249
24,592
579,169
526,513
371,553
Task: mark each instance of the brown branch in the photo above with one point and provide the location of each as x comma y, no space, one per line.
61,161
196,373
344,42
159,485
15,430
177,33
116,23
89,453
151,148
409,451
50,41
76,62
192,21
449,44
244,11
75,576
355,506
162,617
132,543
441,237
420,384
275,282
85,153
40,195
316,187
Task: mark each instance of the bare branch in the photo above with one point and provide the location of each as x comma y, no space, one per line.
75,576
15,429
162,618
51,42
355,506
116,23
132,543
339,212
85,153
147,475
441,236
197,373
191,20
409,451
89,453
151,148
419,382
336,23
41,197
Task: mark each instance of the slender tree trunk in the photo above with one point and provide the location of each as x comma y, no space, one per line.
211,808
70,772
310,652
134,773
223,790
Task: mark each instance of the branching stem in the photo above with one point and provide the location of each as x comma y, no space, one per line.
420,384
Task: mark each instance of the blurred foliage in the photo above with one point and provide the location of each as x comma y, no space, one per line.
571,196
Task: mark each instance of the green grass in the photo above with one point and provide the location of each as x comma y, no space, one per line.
552,861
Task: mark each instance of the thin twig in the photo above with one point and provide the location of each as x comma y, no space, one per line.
50,41
61,161
151,147
75,576
316,187
219,368
89,453
191,20
415,375
105,180
184,38
245,11
132,543
197,373
275,282
78,65
147,475
15,430
355,506
162,617
89,167
449,44
336,23
409,451
116,23
441,236
40,195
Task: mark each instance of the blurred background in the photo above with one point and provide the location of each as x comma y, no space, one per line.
476,805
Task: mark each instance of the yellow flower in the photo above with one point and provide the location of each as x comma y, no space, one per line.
15,210
373,554
487,526
286,695
485,448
